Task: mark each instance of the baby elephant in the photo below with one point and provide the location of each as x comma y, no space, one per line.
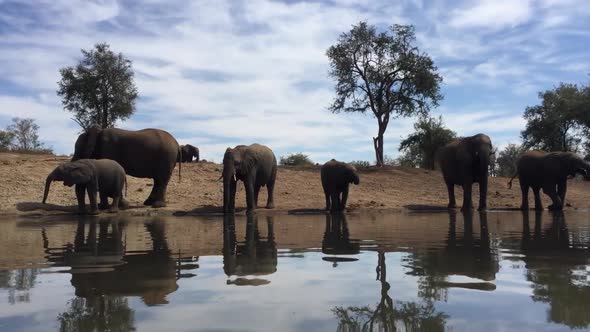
104,176
336,176
548,171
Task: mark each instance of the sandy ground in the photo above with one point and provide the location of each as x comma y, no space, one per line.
298,189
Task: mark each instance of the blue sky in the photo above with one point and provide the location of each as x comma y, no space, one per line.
221,73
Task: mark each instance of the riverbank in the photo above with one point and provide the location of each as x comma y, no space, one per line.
298,190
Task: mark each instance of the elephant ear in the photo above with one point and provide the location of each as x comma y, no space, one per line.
78,173
92,137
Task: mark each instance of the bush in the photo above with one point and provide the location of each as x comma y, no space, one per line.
360,163
295,159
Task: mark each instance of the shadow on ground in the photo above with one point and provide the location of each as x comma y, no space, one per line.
32,206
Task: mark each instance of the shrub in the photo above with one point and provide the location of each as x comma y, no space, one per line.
360,163
295,159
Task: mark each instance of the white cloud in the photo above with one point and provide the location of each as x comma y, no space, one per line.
492,14
219,73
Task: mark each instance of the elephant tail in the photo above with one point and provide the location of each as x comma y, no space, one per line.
511,179
126,186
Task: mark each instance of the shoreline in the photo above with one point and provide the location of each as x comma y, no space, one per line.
298,191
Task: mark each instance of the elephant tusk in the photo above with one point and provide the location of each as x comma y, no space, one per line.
235,179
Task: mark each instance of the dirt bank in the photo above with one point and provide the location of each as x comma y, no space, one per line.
298,190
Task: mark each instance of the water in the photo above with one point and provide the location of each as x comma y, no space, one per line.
429,272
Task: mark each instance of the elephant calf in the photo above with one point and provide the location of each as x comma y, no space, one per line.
104,176
547,171
336,177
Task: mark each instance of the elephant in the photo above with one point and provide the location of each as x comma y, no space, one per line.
547,171
104,176
256,166
146,153
336,177
465,161
188,152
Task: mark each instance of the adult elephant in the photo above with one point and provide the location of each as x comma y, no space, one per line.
548,171
256,166
466,161
146,153
188,152
336,177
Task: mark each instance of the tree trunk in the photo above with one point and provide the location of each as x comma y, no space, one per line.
378,144
105,122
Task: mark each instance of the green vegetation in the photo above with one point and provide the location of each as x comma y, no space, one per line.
419,149
360,163
295,159
22,136
384,73
100,89
505,164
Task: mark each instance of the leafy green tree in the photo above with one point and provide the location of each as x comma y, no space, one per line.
25,135
384,73
295,159
6,138
553,125
100,89
420,147
506,160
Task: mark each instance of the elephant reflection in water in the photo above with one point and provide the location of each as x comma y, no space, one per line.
101,267
337,240
385,316
557,268
461,255
253,257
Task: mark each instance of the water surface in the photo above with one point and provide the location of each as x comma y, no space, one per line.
429,272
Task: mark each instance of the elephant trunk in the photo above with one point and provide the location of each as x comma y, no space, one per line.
229,178
48,181
355,178
197,156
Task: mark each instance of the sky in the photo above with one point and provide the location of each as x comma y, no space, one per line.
220,73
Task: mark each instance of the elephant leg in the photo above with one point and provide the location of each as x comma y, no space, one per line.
104,201
550,190
151,198
524,189
93,199
270,187
115,206
256,192
451,190
80,196
123,203
467,203
335,198
249,186
344,198
160,186
561,190
538,202
327,195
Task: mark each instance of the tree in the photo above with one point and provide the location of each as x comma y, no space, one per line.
552,125
421,146
506,160
25,134
384,73
295,159
6,138
100,89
